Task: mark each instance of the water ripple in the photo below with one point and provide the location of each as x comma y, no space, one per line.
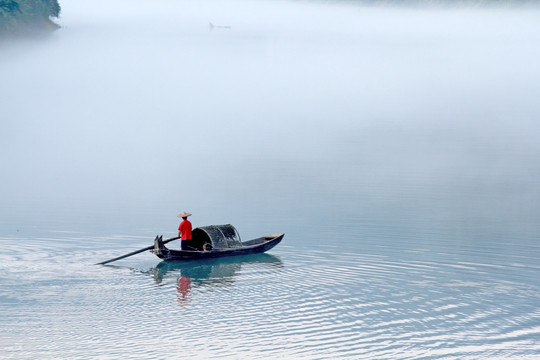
313,304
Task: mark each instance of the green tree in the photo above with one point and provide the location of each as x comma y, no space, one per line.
18,15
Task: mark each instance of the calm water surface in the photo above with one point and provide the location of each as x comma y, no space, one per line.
398,151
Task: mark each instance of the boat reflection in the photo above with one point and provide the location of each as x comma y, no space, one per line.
218,271
209,272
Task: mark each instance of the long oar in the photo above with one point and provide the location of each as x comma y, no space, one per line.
135,252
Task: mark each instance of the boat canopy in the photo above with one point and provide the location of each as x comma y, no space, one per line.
219,236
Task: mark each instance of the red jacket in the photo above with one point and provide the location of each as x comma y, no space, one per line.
185,229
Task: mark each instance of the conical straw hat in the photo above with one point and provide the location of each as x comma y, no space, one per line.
184,214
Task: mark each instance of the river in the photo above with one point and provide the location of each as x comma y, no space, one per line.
396,148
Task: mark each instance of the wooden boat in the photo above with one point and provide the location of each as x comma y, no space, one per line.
216,241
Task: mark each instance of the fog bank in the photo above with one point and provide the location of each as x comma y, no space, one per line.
142,105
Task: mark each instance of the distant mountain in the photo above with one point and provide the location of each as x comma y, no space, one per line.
26,16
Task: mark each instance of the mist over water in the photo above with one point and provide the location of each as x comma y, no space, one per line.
397,149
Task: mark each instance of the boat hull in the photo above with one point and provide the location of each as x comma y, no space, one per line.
254,246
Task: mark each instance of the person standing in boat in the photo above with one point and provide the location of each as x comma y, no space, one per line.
184,231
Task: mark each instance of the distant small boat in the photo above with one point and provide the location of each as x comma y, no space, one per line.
216,241
212,26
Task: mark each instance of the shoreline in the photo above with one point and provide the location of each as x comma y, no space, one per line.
30,29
